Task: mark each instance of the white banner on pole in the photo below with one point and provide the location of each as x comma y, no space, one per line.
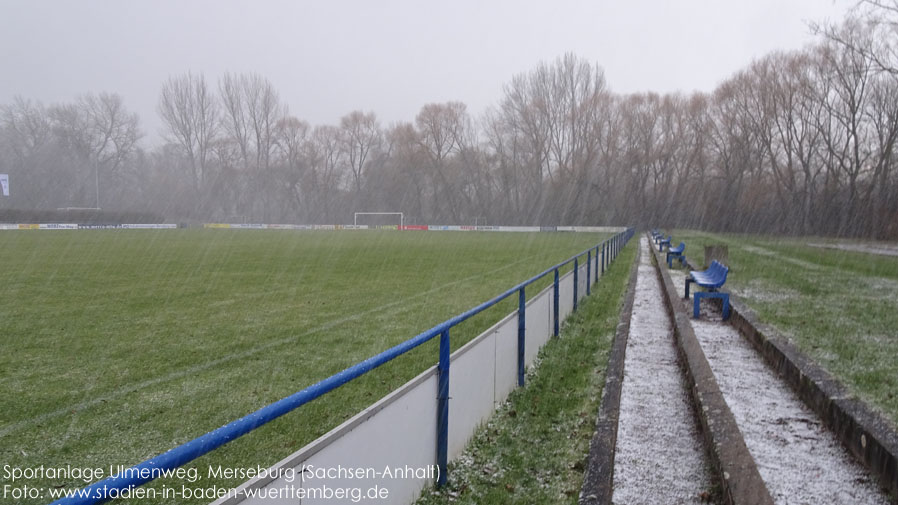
4,182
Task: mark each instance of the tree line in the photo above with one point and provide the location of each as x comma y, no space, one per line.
798,142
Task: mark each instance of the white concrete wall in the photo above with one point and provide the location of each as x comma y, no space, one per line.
402,434
566,295
506,332
471,389
537,328
581,281
399,431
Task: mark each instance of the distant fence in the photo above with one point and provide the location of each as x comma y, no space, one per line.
319,227
75,226
526,229
410,429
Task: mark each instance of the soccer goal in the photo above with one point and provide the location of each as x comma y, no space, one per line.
355,219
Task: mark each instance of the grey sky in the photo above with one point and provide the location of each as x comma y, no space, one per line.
327,58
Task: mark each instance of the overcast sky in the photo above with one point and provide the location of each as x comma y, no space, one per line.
329,57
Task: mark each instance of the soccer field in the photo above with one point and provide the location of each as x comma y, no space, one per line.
119,345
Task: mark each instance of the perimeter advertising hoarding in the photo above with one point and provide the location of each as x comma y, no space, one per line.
58,226
150,226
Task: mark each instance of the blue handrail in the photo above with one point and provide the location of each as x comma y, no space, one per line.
146,471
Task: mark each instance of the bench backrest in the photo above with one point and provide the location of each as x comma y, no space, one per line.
718,271
679,249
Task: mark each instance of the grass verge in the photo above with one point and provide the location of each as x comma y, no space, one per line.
533,449
839,307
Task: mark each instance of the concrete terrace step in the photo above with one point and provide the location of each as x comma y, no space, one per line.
763,437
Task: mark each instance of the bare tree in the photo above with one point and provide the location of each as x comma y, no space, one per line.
26,145
99,130
551,122
263,109
361,135
880,196
412,190
879,20
234,121
291,139
190,114
443,129
325,154
792,105
26,127
850,73
250,109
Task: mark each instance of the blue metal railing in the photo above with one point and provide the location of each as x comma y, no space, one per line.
104,490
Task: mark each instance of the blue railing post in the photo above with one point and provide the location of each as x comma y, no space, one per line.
443,409
596,269
608,254
555,302
603,258
588,272
576,268
522,334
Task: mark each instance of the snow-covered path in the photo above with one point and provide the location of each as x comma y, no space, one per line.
659,456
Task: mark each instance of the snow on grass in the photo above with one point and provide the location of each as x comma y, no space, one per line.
767,252
885,249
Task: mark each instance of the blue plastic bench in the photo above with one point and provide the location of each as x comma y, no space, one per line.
676,252
663,242
711,279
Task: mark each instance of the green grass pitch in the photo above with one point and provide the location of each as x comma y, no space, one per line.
119,345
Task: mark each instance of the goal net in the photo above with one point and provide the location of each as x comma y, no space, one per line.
379,219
